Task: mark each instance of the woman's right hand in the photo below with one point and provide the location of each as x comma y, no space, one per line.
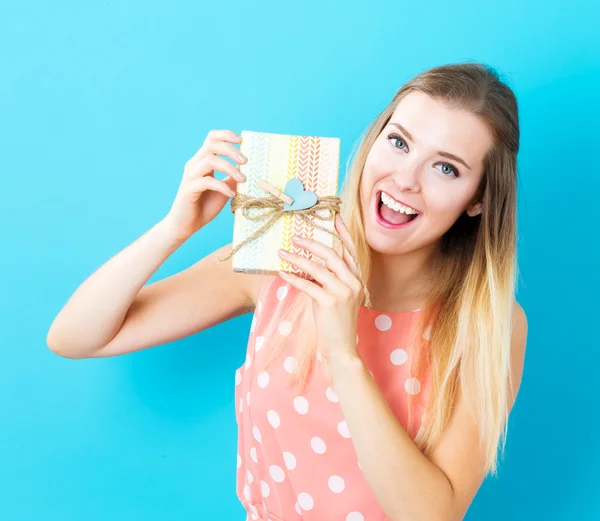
200,196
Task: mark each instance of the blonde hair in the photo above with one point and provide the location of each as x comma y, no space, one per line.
468,314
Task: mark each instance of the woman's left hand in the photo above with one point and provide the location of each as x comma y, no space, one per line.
337,300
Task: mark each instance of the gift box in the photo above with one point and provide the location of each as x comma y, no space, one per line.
277,159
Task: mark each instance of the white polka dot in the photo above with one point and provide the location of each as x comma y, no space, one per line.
260,340
398,356
254,512
427,333
238,377
264,489
262,379
297,507
290,460
254,516
343,429
256,433
248,360
412,386
241,404
259,306
336,484
250,476
383,322
248,398
253,324
301,405
285,328
318,445
305,501
239,461
282,291
274,419
277,473
254,455
290,364
355,516
247,492
332,395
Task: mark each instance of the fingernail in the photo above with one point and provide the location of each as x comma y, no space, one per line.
241,177
284,253
241,159
297,238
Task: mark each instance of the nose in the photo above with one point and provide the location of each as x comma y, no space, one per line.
407,179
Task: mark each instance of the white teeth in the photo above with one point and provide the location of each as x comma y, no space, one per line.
390,203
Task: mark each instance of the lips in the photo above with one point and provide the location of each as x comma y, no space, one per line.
386,224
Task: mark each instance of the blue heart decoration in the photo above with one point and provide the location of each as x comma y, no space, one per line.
302,198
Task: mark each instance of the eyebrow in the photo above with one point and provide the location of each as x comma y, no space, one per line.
441,152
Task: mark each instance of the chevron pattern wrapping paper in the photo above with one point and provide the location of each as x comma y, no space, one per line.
277,158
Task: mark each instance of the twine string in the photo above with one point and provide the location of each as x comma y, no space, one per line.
274,210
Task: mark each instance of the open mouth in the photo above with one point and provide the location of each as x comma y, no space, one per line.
391,218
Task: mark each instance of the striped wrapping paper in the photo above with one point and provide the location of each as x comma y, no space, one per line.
277,158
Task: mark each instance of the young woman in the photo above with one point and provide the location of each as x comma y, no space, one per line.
402,406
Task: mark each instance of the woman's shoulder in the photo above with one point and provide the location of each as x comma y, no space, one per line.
258,284
519,325
518,345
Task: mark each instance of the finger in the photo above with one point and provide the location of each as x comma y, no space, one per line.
223,135
317,271
310,288
211,163
223,148
202,184
340,266
213,137
343,231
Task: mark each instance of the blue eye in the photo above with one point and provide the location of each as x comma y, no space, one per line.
391,137
453,169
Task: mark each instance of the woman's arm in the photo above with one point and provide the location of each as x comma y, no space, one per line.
408,485
113,313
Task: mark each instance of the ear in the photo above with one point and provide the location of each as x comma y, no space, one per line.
475,209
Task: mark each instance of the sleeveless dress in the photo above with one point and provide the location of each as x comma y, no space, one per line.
296,460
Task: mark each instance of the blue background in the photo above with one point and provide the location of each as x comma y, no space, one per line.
101,105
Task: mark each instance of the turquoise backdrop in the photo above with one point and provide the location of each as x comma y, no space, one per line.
101,105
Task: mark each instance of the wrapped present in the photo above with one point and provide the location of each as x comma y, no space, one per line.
302,170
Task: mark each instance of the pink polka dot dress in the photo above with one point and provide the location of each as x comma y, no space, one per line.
296,459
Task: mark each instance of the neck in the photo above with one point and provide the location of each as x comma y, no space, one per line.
399,283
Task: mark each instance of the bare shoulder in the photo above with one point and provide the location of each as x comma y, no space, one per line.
519,329
455,453
254,285
518,346
249,284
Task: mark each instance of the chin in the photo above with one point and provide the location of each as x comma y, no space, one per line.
382,244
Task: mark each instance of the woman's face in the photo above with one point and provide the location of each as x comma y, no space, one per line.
409,165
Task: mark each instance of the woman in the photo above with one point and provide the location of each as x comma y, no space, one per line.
402,405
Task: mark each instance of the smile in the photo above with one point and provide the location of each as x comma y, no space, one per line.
391,214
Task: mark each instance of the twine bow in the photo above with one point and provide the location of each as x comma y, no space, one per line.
273,207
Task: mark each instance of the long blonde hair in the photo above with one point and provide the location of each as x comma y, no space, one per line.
467,319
